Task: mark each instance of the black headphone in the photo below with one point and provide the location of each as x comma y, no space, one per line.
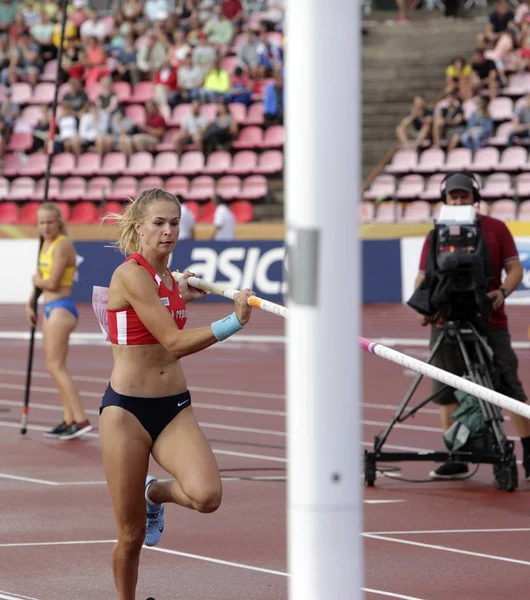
474,182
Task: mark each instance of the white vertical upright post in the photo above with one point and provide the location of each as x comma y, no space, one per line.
323,160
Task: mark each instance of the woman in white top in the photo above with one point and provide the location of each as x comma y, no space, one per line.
68,131
187,221
224,221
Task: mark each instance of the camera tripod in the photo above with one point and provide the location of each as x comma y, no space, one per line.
495,449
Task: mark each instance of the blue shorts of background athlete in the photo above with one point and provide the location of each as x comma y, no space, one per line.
66,303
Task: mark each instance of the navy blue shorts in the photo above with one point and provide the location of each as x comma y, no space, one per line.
66,303
153,413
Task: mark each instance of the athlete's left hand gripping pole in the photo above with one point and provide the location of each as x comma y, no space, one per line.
37,292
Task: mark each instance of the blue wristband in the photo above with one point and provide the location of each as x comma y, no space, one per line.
226,327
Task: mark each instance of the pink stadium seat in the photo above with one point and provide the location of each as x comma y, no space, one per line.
122,89
274,137
383,186
432,188
64,88
139,165
512,159
20,141
229,63
249,138
12,165
43,93
403,161
28,213
410,187
243,211
269,163
430,161
191,163
84,213
142,92
98,189
207,213
501,109
194,208
22,189
150,182
72,190
49,73
94,91
518,86
167,145
124,188
114,163
505,210
63,164
385,212
54,186
253,188
458,159
165,164
254,114
8,212
20,93
485,160
177,185
30,115
367,212
4,188
228,187
416,212
209,111
522,186
34,165
180,112
243,163
136,113
238,111
497,186
218,163
501,135
88,164
524,211
201,189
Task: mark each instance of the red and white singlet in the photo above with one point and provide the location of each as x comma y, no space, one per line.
125,327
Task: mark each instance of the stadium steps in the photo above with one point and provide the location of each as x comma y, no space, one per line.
400,61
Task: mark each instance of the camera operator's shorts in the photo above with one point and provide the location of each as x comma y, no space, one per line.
449,358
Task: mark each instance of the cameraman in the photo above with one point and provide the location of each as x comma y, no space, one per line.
459,190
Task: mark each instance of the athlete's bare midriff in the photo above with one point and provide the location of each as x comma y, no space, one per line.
64,291
146,371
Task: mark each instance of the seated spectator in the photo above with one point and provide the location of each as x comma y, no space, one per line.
190,80
205,10
459,78
95,62
5,51
91,125
8,11
79,13
498,23
275,14
107,102
486,75
70,31
204,54
77,96
416,127
216,83
520,121
152,54
131,12
67,125
120,127
125,62
92,27
146,136
165,85
192,128
241,88
233,11
270,54
24,61
179,49
41,131
479,127
42,33
248,53
449,123
273,101
219,29
153,7
221,131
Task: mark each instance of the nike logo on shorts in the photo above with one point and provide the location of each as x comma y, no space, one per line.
182,403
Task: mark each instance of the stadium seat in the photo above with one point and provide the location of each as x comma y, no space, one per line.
63,164
43,93
416,212
228,187
167,145
49,73
21,93
98,189
113,164
512,159
501,135
88,164
253,188
191,163
165,164
180,112
84,213
139,165
243,163
229,63
386,212
150,182
430,161
8,212
485,160
12,165
72,190
524,211
124,188
458,159
274,137
34,166
410,187
432,188
501,109
64,209
522,186
497,186
194,208
207,213
383,186
22,189
30,116
107,209
136,114
249,138
367,212
54,185
403,161
142,92
122,89
4,188
177,185
505,210
64,89
269,163
94,91
243,211
28,213
20,141
254,114
218,163
209,111
238,112
201,188
519,85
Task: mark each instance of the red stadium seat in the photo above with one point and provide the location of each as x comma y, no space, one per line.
165,164
84,213
140,164
30,115
485,159
274,137
113,164
253,188
522,186
4,188
207,212
177,185
107,209
49,73
34,166
94,91
501,109
73,190
63,164
28,213
243,163
229,63
254,114
524,211
22,189
501,135
269,163
194,208
228,187
191,163
209,111
64,209
243,211
201,189
385,213
367,212
457,159
167,145
249,138
8,212
218,163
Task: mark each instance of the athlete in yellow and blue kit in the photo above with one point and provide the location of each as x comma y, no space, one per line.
55,277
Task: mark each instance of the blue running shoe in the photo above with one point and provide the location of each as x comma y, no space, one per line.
155,518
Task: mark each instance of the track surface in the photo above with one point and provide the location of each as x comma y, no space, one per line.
429,541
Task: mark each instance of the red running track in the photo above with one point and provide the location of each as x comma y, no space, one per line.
461,540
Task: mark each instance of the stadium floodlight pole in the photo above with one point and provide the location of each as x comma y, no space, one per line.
50,146
323,160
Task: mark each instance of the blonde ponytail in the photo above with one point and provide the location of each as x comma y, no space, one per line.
53,208
129,240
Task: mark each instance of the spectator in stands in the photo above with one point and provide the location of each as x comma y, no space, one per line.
152,54
248,52
153,7
76,97
187,221
486,75
125,63
221,131
8,10
459,78
165,85
192,128
216,83
95,61
148,135
270,54
275,13
107,102
241,88
25,61
449,123
417,126
219,29
179,49
499,21
190,80
91,125
120,127
9,111
92,27
479,128
70,31
233,11
520,121
41,130
4,136
204,54
70,62
42,33
273,101
5,52
68,139
224,221
130,12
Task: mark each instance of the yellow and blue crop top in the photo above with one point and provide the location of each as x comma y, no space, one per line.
46,262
